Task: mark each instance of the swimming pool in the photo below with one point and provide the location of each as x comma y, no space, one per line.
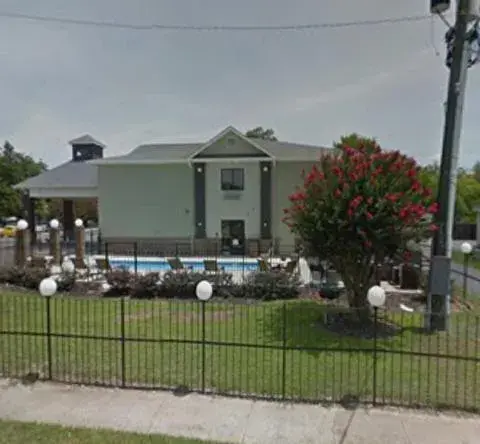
157,264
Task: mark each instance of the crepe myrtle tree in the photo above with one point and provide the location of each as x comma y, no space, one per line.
358,206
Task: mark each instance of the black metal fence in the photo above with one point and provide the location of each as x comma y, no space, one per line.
294,350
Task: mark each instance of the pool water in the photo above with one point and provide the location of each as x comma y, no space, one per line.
196,265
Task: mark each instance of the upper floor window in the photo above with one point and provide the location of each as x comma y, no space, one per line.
232,179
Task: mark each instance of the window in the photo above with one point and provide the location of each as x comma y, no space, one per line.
232,179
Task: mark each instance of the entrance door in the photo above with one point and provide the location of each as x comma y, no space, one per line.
233,237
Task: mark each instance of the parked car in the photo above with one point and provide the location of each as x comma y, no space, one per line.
9,231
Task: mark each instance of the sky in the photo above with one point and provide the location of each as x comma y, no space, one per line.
128,87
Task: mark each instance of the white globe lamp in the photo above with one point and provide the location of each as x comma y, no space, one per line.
68,266
47,287
376,296
22,224
466,248
54,224
105,287
204,291
78,223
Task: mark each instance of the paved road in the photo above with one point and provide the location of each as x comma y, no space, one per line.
473,279
228,420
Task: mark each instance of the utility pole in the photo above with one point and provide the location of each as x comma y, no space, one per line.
440,271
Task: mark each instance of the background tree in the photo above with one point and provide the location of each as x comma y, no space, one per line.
353,139
15,167
358,207
467,195
476,171
260,133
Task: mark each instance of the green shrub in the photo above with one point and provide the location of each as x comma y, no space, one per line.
121,282
146,286
270,285
30,278
182,284
23,277
66,282
33,276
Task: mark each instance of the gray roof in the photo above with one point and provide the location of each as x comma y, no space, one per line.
69,174
178,151
84,174
156,152
287,150
86,139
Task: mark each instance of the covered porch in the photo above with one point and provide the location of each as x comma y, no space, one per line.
70,190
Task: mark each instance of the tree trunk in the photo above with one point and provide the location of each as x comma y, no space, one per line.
358,277
357,300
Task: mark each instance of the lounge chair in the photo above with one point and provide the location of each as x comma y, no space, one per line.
211,265
263,265
103,264
176,264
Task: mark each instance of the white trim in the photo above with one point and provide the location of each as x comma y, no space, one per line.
52,193
232,160
229,129
200,160
107,162
296,159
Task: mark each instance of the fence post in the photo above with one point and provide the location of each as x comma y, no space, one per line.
99,242
284,350
204,305
122,340
49,339
135,258
375,332
106,251
465,274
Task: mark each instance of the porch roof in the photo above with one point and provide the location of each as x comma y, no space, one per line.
70,179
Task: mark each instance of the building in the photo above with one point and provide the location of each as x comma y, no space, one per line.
227,193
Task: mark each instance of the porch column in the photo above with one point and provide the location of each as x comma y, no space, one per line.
68,219
199,204
265,200
29,215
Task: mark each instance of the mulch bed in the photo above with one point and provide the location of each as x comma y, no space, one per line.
417,302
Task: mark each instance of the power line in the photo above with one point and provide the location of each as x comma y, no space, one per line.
165,27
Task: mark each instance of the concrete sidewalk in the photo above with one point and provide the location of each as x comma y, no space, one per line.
228,420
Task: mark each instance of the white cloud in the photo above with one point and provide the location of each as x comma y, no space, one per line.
127,87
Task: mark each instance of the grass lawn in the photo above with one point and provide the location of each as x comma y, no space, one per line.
248,350
12,432
458,258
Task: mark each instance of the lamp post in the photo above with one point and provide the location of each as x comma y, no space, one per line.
55,241
203,291
376,298
79,244
47,288
21,242
467,251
